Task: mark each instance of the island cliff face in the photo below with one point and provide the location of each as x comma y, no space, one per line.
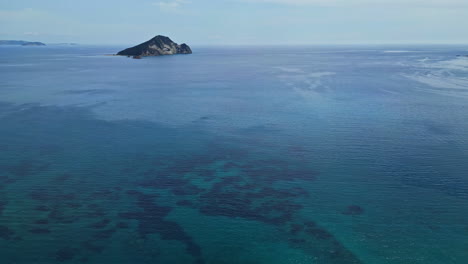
157,46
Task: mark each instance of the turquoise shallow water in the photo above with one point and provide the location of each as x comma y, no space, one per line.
234,155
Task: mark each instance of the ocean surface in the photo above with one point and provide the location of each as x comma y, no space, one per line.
249,155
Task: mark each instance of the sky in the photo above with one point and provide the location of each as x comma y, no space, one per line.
237,22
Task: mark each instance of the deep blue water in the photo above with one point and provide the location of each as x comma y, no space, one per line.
271,155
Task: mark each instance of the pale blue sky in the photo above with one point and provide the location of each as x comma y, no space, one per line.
235,22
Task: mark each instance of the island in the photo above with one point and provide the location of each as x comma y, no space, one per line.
33,44
21,43
157,46
63,44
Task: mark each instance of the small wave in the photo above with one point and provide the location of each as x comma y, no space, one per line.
446,75
307,84
440,81
321,74
460,64
289,69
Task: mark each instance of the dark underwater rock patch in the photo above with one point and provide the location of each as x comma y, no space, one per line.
151,221
353,210
260,129
105,194
188,189
299,149
39,231
235,197
42,208
105,234
230,204
230,165
252,194
318,233
26,168
74,205
310,228
226,182
436,128
173,182
122,225
50,149
47,195
193,162
42,222
59,216
205,174
93,206
151,215
278,193
3,204
269,173
297,241
6,233
62,178
40,195
5,180
67,196
95,211
186,203
305,236
101,224
92,247
296,229
165,182
66,254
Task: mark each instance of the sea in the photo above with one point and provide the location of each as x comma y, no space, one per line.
234,155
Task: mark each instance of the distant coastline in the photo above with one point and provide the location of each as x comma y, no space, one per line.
63,44
21,43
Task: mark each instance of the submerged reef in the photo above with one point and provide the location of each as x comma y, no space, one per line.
6,233
137,195
353,210
151,220
252,192
3,203
66,254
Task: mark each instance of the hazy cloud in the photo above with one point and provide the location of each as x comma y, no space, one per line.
370,3
170,5
232,22
31,33
20,14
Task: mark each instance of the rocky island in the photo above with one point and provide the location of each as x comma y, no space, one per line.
157,46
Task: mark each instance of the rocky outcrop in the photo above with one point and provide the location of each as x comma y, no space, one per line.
157,46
